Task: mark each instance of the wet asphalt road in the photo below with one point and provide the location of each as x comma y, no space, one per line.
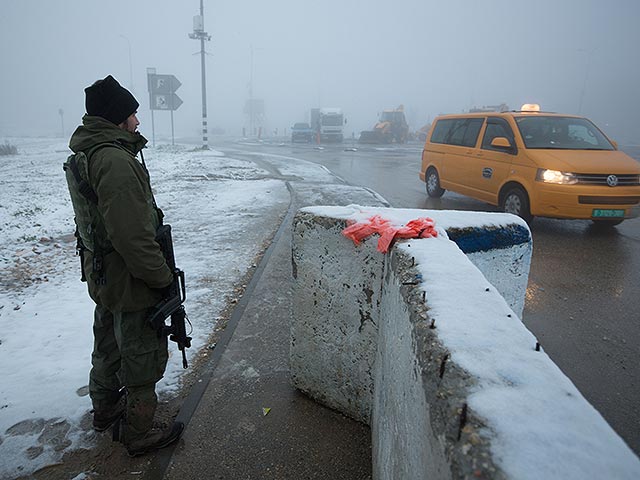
583,297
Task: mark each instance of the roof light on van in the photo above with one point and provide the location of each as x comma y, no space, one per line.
530,107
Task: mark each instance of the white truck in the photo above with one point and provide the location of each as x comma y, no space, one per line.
328,124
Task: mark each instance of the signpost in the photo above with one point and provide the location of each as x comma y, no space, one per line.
162,96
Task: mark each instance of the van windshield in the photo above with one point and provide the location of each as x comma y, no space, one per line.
561,133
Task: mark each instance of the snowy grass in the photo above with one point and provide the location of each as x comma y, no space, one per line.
8,149
221,210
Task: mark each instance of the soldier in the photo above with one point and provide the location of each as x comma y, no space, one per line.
126,273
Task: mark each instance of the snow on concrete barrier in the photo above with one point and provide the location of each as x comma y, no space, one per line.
425,345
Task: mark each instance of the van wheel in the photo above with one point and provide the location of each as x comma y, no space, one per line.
433,183
516,201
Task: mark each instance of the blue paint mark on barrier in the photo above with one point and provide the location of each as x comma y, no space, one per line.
474,239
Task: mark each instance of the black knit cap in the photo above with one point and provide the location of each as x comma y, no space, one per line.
108,99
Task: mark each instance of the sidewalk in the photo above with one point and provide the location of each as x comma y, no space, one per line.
229,434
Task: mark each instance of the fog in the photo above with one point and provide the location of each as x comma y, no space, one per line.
570,56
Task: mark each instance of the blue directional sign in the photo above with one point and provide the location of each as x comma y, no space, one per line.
162,90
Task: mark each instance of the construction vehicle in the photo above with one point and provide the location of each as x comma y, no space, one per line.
392,127
422,132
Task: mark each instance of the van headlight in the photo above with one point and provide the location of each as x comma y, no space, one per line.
554,176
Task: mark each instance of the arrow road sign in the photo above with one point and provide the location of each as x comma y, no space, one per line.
165,102
163,83
162,90
162,95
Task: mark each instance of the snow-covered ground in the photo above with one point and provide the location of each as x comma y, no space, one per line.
222,211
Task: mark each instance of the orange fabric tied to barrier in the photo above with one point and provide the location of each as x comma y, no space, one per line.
418,228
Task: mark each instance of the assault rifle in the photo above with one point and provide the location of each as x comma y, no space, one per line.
172,304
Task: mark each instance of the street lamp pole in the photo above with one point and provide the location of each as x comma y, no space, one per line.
251,113
589,53
61,113
200,34
130,64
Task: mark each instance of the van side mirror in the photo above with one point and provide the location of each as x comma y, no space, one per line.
502,143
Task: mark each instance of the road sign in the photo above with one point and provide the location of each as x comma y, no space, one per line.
162,90
165,102
164,84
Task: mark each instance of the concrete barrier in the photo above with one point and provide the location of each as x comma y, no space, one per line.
425,345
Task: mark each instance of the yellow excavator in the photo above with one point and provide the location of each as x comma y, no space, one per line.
422,132
391,128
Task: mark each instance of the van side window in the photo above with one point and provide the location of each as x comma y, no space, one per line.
441,130
496,127
457,131
473,126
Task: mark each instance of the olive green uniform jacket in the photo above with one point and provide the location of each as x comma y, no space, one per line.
135,269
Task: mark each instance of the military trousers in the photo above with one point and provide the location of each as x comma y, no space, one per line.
127,352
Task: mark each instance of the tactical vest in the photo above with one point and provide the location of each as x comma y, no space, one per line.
90,232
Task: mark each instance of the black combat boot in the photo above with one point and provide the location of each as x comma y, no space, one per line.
105,415
159,436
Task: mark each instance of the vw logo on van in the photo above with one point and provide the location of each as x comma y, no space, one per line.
612,180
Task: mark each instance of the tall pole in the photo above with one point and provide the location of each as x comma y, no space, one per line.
205,129
151,71
251,122
589,53
61,113
130,65
200,34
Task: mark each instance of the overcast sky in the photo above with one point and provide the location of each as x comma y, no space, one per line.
571,56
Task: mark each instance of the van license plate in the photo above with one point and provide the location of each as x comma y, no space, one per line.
600,213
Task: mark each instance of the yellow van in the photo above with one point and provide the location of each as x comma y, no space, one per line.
532,163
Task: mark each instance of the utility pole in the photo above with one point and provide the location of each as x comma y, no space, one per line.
200,34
